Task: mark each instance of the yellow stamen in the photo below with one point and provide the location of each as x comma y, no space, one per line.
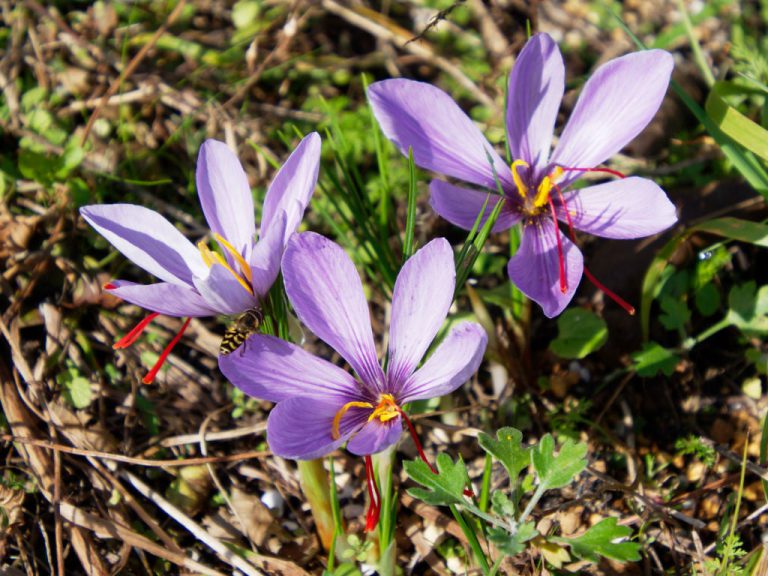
521,188
335,434
244,266
210,258
386,410
547,183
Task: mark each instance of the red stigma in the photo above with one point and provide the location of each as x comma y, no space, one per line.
420,450
598,170
150,377
135,332
612,295
560,255
108,286
374,508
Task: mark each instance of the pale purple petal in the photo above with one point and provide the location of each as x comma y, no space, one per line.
165,298
266,256
272,369
617,102
454,362
536,86
422,296
225,195
628,208
300,428
535,269
223,292
460,206
327,295
375,436
148,240
293,186
444,139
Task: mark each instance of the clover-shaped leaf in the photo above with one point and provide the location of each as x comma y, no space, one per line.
512,544
508,450
444,488
556,471
748,307
601,540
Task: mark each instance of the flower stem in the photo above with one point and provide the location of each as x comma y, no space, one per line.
314,483
383,462
474,543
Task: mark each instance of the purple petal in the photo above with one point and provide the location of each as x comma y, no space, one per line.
460,206
420,302
223,292
167,299
272,369
148,240
443,138
375,436
225,195
300,428
326,292
266,256
536,86
293,186
453,363
535,269
617,102
628,208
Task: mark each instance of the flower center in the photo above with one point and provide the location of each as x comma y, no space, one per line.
535,204
385,410
244,277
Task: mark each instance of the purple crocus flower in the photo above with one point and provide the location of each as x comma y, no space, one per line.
616,103
196,281
319,405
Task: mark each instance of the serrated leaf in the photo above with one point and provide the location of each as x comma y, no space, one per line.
512,544
748,307
580,332
654,358
675,313
78,392
444,488
507,449
556,471
501,505
600,540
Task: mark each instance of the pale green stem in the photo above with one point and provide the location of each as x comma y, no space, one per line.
314,483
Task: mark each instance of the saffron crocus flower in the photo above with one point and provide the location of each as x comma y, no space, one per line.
195,280
319,405
616,103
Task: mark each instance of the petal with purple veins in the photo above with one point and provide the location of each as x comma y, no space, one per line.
536,86
267,254
629,208
162,297
422,296
225,195
454,362
326,292
461,206
420,116
272,369
148,240
224,292
535,269
375,436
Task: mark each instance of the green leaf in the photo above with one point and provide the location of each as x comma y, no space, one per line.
556,471
512,544
600,541
707,299
444,488
77,392
580,332
734,124
675,313
654,358
501,505
748,307
245,13
731,228
508,450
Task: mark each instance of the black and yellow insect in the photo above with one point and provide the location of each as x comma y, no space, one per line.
244,325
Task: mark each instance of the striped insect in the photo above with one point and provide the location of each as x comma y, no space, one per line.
244,325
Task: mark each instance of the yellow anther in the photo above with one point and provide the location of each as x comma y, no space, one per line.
210,258
386,410
521,188
545,187
244,266
335,434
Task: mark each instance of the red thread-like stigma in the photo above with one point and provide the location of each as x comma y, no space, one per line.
150,377
374,508
560,254
598,170
134,333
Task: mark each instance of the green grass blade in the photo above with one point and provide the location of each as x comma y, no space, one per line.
410,222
